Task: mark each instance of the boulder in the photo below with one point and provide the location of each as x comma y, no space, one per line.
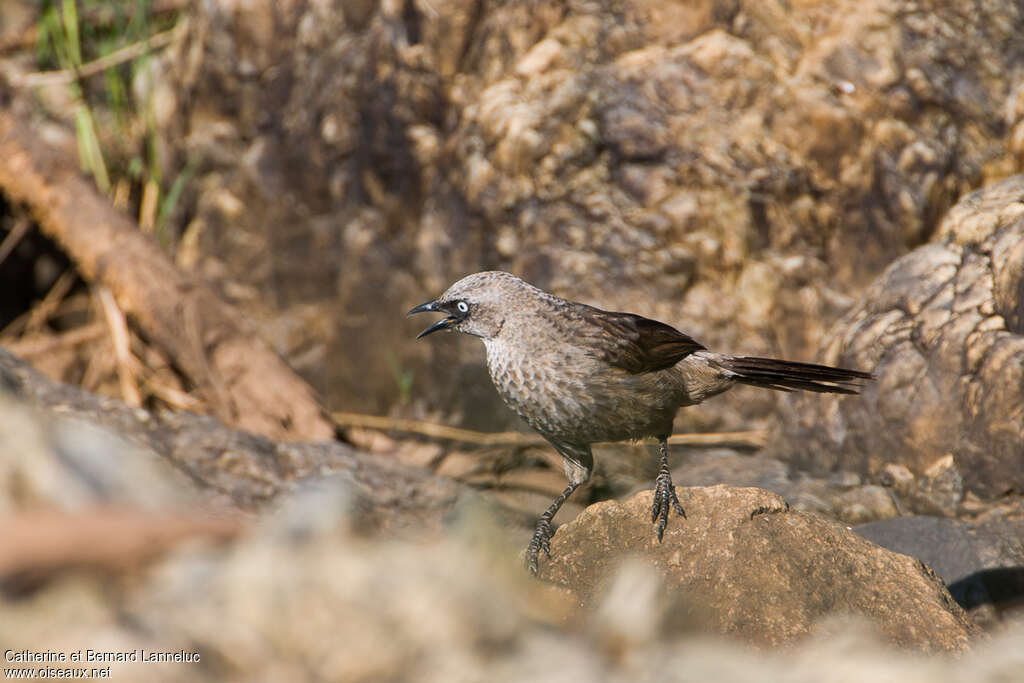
740,170
982,562
64,448
943,330
743,563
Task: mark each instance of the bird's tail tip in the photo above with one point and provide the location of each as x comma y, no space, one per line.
785,375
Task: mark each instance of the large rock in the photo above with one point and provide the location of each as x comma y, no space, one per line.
943,330
270,594
63,448
743,563
982,562
738,169
327,604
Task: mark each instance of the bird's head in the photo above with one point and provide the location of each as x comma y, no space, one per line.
477,304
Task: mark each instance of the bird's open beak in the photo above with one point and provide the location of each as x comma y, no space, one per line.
442,324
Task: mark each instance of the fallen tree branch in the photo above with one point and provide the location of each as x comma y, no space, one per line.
247,384
749,440
40,543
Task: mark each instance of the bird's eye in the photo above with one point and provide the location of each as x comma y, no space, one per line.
462,306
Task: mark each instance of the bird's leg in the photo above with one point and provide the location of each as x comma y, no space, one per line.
542,534
664,493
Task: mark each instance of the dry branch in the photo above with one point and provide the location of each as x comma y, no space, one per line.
245,382
751,440
37,544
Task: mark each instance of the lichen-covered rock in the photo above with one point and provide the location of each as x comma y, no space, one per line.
943,331
737,169
742,563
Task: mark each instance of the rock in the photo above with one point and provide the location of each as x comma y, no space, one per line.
982,563
742,563
268,594
941,328
841,496
866,503
274,606
63,447
945,545
738,171
897,477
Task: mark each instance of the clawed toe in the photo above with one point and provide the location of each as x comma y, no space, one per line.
541,541
542,533
665,498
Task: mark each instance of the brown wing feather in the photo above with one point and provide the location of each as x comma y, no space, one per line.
635,343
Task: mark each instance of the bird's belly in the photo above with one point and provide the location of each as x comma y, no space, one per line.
570,401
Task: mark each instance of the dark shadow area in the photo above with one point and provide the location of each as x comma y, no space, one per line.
1002,587
31,263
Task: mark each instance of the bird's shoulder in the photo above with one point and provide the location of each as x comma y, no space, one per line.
627,340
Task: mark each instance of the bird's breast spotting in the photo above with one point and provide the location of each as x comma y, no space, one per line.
547,390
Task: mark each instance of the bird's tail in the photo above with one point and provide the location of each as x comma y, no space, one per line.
785,375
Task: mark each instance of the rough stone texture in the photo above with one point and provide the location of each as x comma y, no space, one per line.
276,605
272,593
80,446
944,332
981,562
767,576
739,169
305,574
844,496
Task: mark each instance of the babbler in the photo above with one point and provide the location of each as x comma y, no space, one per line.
579,375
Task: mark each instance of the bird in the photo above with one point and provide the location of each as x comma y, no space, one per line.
580,375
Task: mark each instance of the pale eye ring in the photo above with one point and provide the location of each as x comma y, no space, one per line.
462,306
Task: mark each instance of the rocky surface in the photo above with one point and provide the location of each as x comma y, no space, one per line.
942,328
294,601
150,552
741,170
743,563
737,169
843,496
101,450
981,562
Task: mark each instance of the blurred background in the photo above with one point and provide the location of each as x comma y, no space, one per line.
739,172
748,172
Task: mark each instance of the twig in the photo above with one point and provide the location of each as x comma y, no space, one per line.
51,302
175,398
125,54
19,230
31,347
26,35
755,439
122,348
39,543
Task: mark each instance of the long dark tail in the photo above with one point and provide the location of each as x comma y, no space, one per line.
785,375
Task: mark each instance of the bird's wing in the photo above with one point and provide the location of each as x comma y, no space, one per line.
634,343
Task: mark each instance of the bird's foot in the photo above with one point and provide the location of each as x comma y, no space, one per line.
664,497
540,541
